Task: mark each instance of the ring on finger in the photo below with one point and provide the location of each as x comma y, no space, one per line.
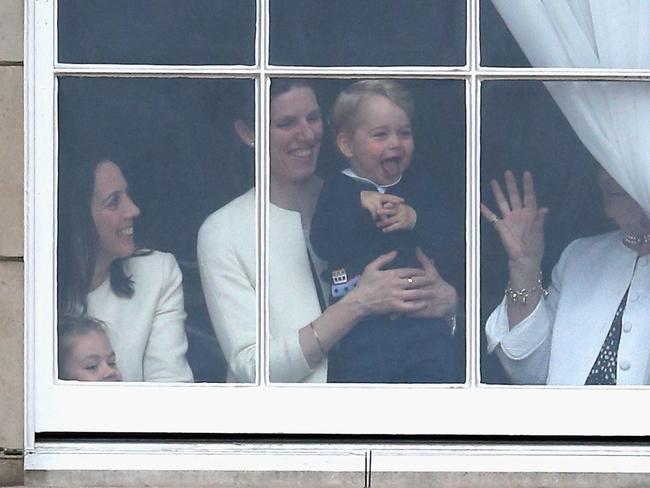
494,219
410,280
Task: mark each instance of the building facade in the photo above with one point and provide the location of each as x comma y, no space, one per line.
12,371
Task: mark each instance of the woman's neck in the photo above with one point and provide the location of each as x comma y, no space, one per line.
300,197
640,232
102,269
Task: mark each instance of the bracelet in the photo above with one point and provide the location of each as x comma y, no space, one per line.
320,346
520,296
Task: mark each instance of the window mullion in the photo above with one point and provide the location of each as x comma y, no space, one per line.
472,231
262,185
560,74
472,219
151,71
473,35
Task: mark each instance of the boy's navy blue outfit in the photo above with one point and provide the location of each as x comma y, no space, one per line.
380,349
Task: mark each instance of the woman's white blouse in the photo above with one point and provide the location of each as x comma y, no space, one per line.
147,331
227,263
559,342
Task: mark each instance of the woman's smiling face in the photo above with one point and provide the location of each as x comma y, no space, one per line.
113,212
295,135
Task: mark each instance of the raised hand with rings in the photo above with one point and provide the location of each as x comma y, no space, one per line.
521,230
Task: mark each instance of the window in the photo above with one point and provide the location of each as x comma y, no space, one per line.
158,85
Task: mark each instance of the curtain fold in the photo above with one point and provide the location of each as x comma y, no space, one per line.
612,119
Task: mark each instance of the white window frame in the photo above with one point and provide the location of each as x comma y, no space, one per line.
470,409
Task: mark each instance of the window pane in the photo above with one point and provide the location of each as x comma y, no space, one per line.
498,47
597,34
376,136
523,129
174,144
191,32
368,32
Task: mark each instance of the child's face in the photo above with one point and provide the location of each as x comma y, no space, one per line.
90,357
380,147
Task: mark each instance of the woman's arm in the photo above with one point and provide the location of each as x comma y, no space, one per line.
524,350
228,282
378,292
521,229
227,266
164,355
227,263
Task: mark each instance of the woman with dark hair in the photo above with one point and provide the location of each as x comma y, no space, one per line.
302,331
136,293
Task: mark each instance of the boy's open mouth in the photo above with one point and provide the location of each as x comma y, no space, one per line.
391,166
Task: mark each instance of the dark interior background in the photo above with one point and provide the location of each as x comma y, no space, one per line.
175,137
176,142
196,32
367,32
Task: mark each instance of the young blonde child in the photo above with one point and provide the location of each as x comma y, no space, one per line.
85,351
376,205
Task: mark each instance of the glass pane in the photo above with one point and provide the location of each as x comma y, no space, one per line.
498,47
597,34
173,142
522,129
321,238
191,32
368,32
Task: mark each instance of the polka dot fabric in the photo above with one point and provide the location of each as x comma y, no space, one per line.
603,372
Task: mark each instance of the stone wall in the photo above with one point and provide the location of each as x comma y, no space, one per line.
11,236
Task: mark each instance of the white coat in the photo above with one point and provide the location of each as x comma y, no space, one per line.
147,331
227,260
559,342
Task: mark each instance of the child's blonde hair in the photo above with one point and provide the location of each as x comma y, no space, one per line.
74,325
346,106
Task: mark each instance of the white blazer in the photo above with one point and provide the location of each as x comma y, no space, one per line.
559,342
227,263
147,331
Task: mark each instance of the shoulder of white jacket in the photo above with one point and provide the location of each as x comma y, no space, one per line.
242,207
149,261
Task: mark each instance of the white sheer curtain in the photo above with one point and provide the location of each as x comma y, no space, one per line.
612,119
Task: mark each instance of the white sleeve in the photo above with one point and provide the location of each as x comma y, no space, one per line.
164,355
231,300
287,361
524,350
228,281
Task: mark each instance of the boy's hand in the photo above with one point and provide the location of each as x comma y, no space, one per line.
373,202
396,217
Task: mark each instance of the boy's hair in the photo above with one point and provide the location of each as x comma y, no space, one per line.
346,106
74,325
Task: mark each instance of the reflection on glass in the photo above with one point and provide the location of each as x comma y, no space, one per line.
388,318
579,333
142,163
188,32
367,32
